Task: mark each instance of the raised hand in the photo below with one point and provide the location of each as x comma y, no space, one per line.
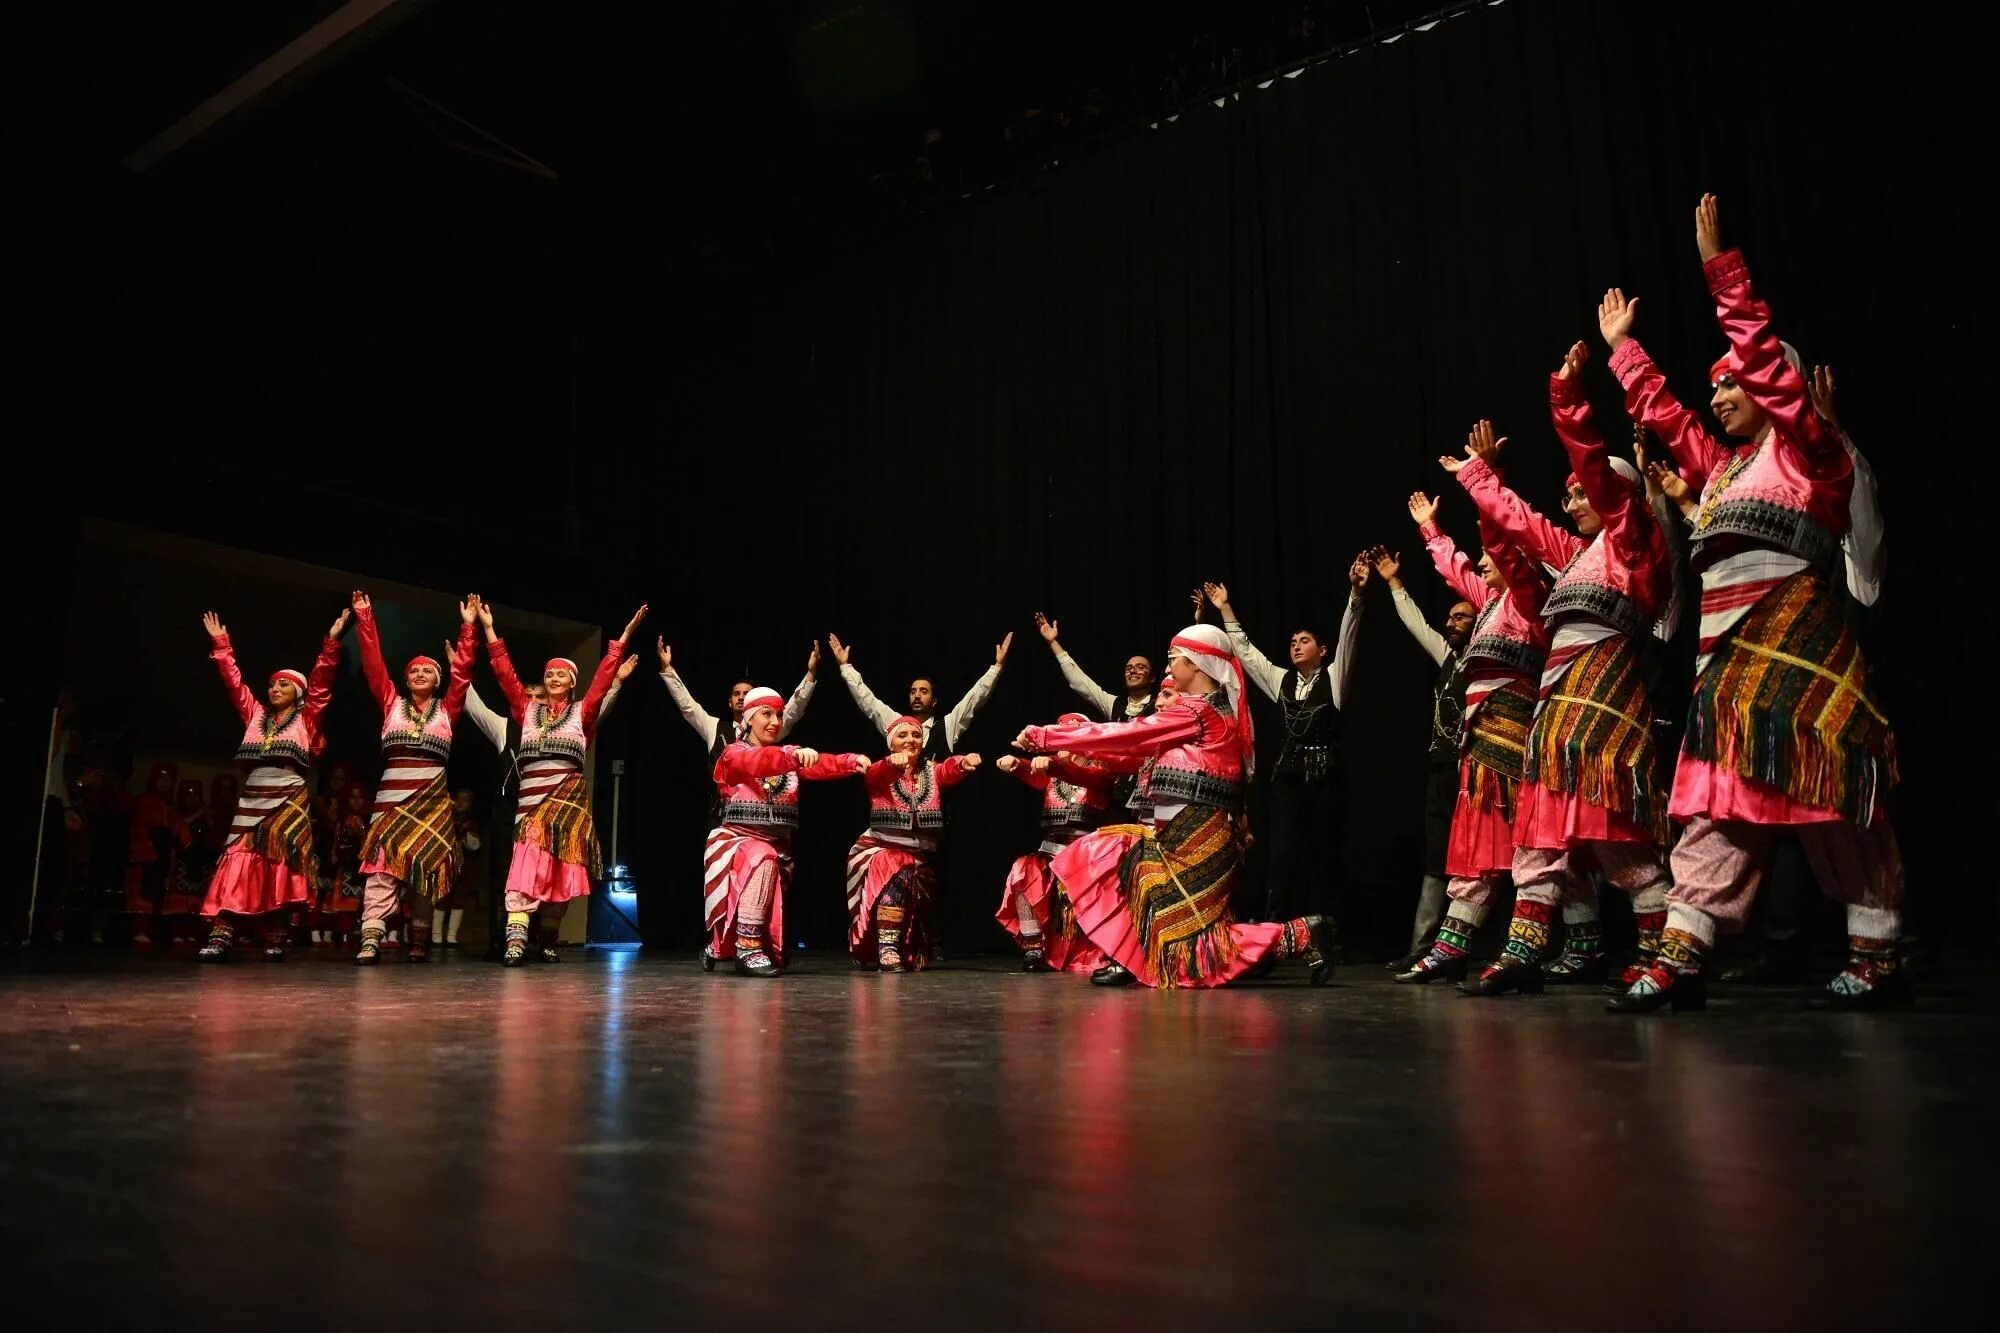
1000,649
1218,597
340,624
1573,361
213,624
1006,763
468,610
1821,388
806,756
1200,600
841,652
812,659
1046,628
666,654
1660,479
486,616
1482,444
1708,227
1423,508
1357,573
626,668
632,625
970,763
1386,565
358,601
1615,316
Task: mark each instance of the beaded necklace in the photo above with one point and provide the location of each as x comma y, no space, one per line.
542,718
414,722
923,789
1723,481
275,723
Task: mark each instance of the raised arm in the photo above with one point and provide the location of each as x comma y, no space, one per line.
1865,551
871,708
1757,357
380,687
601,681
224,657
1101,700
692,713
503,666
1618,503
1265,676
795,707
1517,520
492,725
1647,398
319,681
1452,566
1390,568
461,660
961,715
1350,630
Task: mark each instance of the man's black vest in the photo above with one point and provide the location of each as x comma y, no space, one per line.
1310,749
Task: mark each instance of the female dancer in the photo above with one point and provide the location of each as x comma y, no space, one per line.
891,869
1500,665
1075,799
267,866
555,840
411,855
1156,899
749,853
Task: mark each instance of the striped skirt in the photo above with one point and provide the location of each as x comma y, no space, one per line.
1593,743
415,840
1030,881
874,865
1496,754
555,843
268,863
1783,705
733,855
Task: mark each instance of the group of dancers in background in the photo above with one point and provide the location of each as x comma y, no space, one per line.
1543,728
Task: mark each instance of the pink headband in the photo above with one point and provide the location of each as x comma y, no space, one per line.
418,661
292,676
555,663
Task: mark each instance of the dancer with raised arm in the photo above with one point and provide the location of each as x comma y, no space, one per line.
1782,732
267,867
411,855
1033,909
1304,871
1135,700
939,740
891,869
1155,898
748,860
1591,791
1497,670
556,854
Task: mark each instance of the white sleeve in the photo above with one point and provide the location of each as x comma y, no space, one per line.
610,698
1343,652
871,708
1866,551
1086,688
1428,639
795,707
1263,675
960,717
696,716
491,724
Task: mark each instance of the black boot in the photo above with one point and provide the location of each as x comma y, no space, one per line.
1436,965
1661,987
1032,960
1508,974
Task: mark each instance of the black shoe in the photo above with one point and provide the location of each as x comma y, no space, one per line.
1032,960
1431,967
1503,977
707,959
1407,961
546,954
274,954
1683,991
1111,974
1322,955
1575,969
1891,992
758,964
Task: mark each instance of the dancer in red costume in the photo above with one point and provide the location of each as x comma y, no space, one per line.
1155,898
748,858
1075,800
891,869
411,855
1782,732
555,839
267,866
156,837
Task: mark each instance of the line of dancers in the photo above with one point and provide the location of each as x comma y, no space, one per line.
1544,720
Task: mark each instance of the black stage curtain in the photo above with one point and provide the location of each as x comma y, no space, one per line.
1227,348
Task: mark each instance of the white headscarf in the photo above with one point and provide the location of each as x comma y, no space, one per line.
1208,647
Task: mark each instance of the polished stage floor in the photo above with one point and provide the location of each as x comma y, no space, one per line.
622,1141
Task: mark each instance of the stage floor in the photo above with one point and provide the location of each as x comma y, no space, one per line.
621,1140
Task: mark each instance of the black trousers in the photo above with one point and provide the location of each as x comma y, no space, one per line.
1303,877
1440,802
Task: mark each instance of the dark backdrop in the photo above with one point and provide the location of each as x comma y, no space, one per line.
1225,348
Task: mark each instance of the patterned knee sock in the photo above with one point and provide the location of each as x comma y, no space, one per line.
1528,933
1583,933
1454,938
517,934
750,938
1869,964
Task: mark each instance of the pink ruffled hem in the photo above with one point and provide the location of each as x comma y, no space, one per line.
1030,877
1481,843
888,862
1552,821
544,878
246,884
1702,788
